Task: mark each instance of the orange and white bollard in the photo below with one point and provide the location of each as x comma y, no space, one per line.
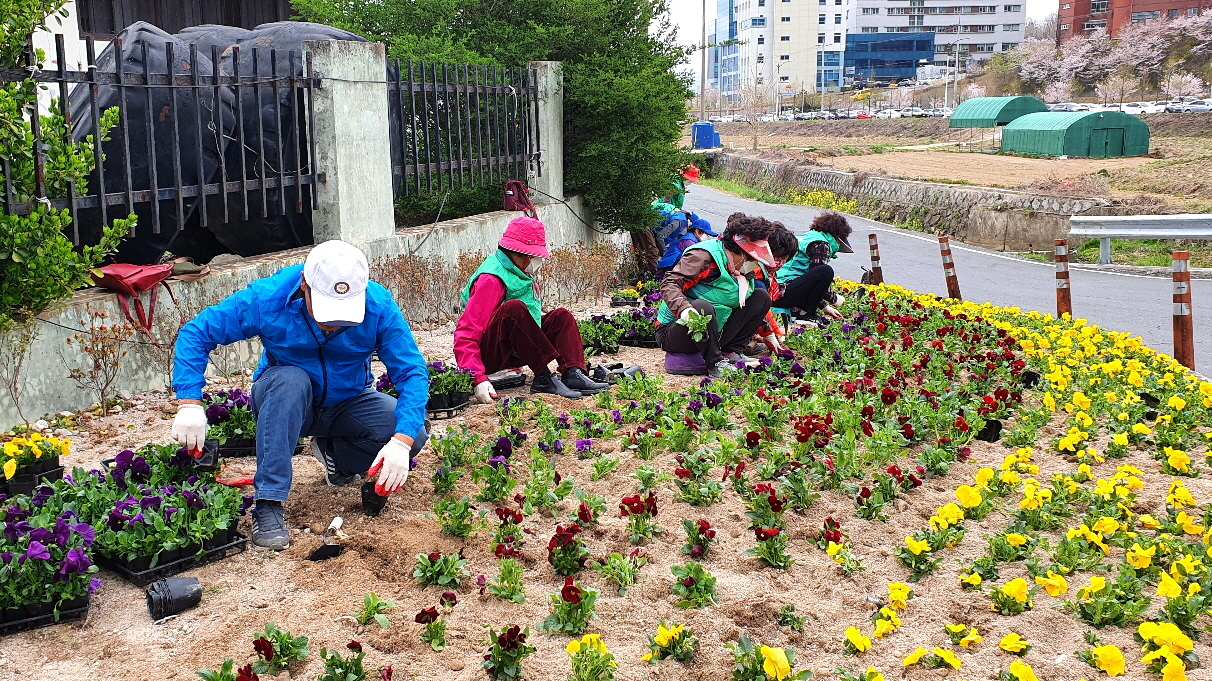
953,289
877,272
1064,299
1184,333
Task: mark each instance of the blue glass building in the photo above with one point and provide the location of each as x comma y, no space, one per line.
887,56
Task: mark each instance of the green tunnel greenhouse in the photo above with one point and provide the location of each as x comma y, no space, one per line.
1093,134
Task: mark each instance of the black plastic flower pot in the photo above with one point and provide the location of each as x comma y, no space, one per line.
437,402
991,432
173,595
37,609
372,503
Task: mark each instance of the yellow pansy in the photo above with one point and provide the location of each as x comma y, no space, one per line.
1166,635
1174,669
833,548
1141,429
983,477
1021,671
873,675
973,579
1108,659
775,663
1167,587
1016,589
1176,403
917,546
968,496
915,657
1015,540
883,627
1140,558
857,640
972,638
899,594
1054,584
1013,643
1081,401
1096,585
1188,523
10,468
948,657
1120,439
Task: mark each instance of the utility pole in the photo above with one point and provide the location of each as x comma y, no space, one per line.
703,69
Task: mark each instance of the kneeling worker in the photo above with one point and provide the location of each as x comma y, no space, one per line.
319,323
502,325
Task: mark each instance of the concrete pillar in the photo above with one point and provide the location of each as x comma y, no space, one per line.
353,145
550,181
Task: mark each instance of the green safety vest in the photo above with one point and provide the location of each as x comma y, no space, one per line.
723,293
518,285
798,265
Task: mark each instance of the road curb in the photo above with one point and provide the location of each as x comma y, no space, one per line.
1163,272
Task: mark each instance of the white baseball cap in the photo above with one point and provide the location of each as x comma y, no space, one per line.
336,274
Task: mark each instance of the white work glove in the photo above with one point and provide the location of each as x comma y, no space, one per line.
685,316
485,393
189,427
391,465
838,300
829,311
772,343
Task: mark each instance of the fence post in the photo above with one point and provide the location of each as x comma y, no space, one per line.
549,182
953,289
1184,333
353,142
877,271
1064,299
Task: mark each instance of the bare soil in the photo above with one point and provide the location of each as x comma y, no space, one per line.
118,640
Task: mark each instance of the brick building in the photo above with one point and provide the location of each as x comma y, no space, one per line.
1076,17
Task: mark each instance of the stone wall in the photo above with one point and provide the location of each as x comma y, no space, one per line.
1000,219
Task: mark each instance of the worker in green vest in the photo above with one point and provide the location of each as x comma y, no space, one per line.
503,325
715,278
806,278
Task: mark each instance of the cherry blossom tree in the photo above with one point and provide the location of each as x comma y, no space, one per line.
1114,88
1058,91
1181,84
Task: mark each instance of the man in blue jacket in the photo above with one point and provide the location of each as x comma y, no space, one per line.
318,323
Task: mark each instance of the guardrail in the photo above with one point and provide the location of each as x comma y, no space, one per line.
1191,227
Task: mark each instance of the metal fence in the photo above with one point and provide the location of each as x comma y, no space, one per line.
217,141
197,138
460,127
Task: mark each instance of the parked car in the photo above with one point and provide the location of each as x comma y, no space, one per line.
1197,106
888,113
740,119
914,112
863,114
1141,108
1069,106
905,83
715,119
1174,106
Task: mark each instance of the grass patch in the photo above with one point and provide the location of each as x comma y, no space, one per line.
1146,252
1037,257
743,191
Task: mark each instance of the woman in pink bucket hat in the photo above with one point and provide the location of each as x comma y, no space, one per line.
503,325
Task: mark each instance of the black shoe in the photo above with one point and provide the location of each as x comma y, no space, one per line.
269,529
717,370
576,379
333,476
550,384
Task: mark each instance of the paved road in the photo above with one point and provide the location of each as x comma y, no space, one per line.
1137,304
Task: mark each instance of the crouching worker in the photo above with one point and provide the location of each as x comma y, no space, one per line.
319,323
503,327
806,278
715,278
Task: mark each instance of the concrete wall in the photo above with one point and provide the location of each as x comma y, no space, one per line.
352,141
1001,219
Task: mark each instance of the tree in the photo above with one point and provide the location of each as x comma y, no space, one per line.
1058,91
624,97
1117,86
1181,84
1041,29
752,101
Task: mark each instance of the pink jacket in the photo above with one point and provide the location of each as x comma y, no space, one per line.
487,294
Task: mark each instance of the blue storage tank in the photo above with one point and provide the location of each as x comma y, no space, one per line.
703,135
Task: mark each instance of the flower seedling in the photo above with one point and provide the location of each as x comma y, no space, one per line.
226,673
962,635
640,514
277,650
507,538
699,538
338,667
436,569
493,479
603,466
762,663
620,569
591,661
771,548
1012,598
566,552
506,651
695,482
590,507
856,642
435,625
918,556
674,641
545,487
508,585
938,658
788,618
445,477
649,478
374,609
870,675
1108,659
1102,602
696,324
1014,644
693,585
571,609
456,517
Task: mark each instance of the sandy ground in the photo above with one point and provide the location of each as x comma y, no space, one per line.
118,640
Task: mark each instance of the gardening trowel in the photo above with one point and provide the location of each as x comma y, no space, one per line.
330,545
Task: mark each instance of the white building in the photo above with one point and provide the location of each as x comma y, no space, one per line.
975,32
793,45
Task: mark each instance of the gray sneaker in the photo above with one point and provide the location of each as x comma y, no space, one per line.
269,526
333,476
717,370
734,357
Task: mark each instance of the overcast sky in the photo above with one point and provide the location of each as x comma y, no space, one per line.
688,16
